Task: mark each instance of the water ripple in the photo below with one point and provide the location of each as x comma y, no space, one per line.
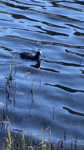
40,92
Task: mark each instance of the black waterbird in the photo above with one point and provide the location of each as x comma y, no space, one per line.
30,56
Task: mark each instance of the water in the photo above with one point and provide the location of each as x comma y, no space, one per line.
49,93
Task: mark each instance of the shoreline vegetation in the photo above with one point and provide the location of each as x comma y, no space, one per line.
16,140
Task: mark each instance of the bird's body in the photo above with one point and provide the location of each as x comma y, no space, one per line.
30,56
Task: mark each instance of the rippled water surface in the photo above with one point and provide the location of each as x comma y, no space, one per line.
50,92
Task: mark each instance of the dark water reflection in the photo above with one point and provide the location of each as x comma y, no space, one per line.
50,92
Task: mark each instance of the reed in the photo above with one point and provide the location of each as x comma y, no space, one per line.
8,140
9,137
23,141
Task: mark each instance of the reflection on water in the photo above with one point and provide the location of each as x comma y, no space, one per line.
37,65
65,88
48,93
73,112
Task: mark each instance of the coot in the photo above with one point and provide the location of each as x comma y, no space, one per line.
30,56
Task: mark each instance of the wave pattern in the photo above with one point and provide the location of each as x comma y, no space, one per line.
56,81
